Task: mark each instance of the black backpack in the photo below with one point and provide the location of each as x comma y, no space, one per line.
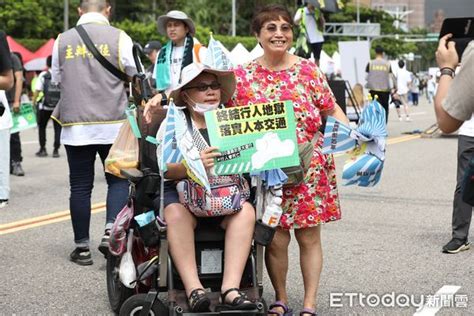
52,92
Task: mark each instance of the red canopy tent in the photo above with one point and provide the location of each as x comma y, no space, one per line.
38,60
26,55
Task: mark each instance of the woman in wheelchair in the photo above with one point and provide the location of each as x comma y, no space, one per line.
203,89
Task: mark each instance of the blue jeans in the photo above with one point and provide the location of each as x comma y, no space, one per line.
81,160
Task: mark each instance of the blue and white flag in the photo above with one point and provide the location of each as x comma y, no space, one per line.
169,148
364,171
215,56
337,137
366,167
185,142
372,121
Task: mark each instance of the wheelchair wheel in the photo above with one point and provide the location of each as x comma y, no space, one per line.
133,306
262,306
116,291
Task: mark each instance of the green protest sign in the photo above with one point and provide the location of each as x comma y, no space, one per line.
254,138
24,119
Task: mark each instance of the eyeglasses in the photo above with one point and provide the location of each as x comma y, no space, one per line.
204,86
273,28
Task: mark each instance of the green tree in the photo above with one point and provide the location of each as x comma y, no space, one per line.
30,18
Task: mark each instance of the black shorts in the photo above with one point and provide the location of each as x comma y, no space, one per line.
317,48
170,195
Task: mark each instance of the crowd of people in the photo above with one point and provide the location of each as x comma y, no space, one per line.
91,110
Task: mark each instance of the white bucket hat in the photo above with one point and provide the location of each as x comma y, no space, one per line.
175,15
225,77
313,2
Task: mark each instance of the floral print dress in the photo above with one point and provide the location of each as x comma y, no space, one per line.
316,200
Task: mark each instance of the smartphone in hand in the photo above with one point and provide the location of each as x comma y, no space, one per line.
462,30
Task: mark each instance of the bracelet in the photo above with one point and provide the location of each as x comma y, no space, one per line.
164,99
447,71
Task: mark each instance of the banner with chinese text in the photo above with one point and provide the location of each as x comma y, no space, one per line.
254,138
24,119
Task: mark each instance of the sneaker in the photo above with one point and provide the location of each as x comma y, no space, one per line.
104,243
81,256
16,169
3,203
55,153
400,118
456,245
408,119
41,153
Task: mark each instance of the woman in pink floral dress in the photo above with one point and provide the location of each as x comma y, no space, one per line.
278,75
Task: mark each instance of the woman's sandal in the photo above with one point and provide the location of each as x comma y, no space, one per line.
279,304
308,311
198,301
240,302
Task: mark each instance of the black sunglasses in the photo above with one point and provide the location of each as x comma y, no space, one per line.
204,86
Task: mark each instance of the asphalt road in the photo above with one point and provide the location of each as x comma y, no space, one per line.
388,242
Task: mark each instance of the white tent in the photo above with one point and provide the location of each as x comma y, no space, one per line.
336,58
239,55
256,52
324,61
35,64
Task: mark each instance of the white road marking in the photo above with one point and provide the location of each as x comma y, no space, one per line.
30,142
417,113
428,309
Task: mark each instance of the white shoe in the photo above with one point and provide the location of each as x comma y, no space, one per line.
3,203
408,119
400,118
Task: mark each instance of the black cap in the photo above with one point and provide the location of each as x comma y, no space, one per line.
150,46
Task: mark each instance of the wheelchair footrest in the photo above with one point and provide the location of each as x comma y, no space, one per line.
179,298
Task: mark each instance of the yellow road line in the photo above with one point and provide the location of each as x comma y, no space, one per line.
391,141
44,220
100,207
401,139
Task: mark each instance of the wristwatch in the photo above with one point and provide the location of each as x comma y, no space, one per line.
164,99
447,71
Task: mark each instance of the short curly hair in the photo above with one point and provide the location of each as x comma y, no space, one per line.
270,12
